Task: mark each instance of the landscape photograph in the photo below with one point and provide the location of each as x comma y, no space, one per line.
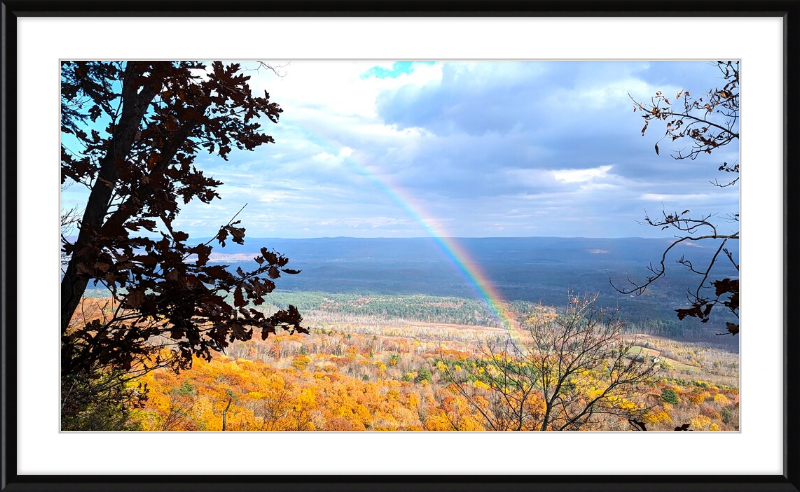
399,245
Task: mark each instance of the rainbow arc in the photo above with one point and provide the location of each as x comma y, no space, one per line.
450,248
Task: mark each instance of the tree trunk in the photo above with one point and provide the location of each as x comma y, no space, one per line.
548,407
225,414
134,105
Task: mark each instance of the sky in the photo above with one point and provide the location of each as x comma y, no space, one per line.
462,149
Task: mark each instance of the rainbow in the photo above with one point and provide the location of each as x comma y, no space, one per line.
448,246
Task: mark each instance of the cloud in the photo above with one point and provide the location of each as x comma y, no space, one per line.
581,175
652,197
363,147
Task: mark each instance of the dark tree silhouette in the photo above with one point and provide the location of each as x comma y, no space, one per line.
706,124
130,133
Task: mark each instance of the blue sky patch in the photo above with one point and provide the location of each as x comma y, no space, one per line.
398,68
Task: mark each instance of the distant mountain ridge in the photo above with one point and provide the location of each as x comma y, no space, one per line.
426,249
532,269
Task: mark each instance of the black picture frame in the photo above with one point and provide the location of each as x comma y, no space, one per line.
789,10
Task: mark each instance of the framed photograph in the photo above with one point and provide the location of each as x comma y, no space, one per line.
432,159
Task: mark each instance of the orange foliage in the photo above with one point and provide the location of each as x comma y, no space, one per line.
336,388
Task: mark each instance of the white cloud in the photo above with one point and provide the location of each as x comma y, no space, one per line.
337,85
581,175
325,157
656,197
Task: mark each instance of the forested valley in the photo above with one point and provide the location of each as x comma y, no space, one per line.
410,362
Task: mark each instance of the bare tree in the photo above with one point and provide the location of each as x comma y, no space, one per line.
707,125
569,371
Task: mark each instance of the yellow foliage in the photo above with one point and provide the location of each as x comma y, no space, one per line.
481,385
306,398
621,403
697,398
705,384
720,398
701,422
656,417
300,362
438,422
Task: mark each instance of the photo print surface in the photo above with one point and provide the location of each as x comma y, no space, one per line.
395,245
